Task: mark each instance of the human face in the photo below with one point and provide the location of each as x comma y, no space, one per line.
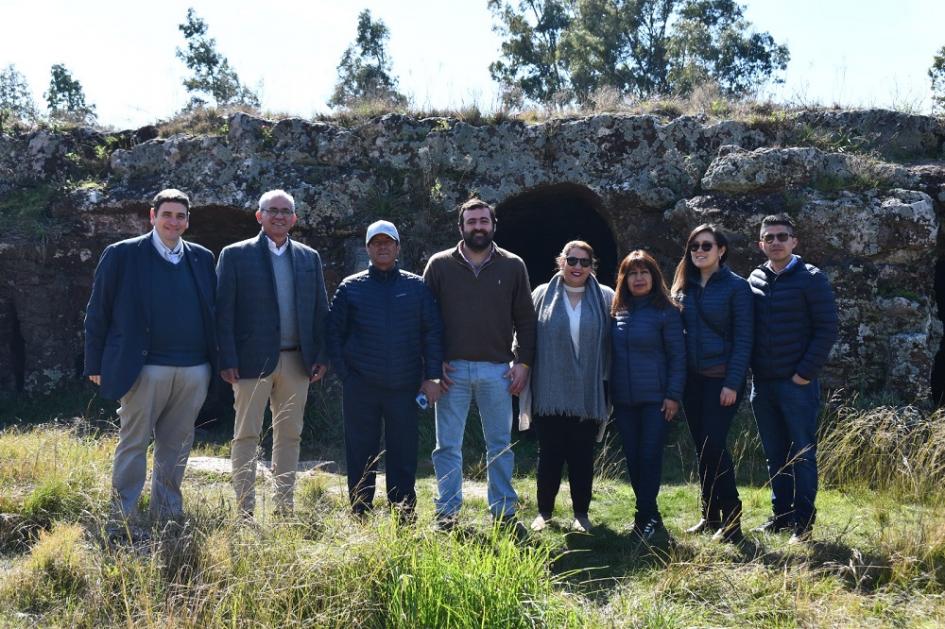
383,251
779,253
477,229
639,281
170,222
277,219
705,261
575,275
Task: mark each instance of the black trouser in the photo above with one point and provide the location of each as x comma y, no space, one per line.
366,409
564,439
709,424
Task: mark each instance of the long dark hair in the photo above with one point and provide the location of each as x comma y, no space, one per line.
640,259
685,268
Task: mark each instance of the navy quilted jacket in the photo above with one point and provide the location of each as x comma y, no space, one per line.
649,354
795,321
722,333
385,327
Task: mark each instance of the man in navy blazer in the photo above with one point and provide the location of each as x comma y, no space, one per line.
271,312
150,342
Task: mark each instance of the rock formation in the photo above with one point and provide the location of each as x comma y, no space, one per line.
867,189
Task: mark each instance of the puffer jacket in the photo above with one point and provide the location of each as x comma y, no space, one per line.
795,321
385,327
722,334
649,354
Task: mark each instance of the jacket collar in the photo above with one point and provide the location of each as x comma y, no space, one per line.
383,276
791,270
720,273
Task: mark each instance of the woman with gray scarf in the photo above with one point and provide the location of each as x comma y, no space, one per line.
566,392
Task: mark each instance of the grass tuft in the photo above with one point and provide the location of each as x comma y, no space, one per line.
56,572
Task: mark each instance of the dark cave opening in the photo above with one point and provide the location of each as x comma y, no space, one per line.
536,224
938,367
216,226
17,351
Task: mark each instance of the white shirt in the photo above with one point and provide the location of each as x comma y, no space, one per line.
276,249
574,318
174,255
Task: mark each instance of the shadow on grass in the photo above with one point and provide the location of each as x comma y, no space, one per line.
863,572
595,563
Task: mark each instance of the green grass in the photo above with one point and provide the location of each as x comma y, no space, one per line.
25,211
878,558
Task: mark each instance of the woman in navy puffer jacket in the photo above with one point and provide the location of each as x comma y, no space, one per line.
647,378
717,313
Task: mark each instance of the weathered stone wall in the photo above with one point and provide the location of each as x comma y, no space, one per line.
867,188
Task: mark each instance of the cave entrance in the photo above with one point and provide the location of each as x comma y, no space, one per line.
216,226
938,367
536,224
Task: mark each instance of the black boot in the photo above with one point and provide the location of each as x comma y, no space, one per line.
731,529
710,522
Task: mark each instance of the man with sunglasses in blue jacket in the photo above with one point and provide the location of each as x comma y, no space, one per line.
795,328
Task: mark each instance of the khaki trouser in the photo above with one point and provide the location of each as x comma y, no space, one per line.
286,389
163,403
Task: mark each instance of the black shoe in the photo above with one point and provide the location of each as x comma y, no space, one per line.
731,534
801,535
445,523
512,525
406,516
652,531
731,529
704,526
774,524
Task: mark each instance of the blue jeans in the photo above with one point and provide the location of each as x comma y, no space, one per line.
786,414
483,381
643,430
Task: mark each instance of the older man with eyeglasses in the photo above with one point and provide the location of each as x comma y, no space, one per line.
271,314
795,328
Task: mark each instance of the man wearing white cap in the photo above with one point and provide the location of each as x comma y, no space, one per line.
385,344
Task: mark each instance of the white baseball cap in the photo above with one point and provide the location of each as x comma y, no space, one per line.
381,227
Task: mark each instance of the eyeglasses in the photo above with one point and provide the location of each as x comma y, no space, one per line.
781,236
574,261
705,245
274,211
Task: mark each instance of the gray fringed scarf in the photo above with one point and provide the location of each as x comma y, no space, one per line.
563,383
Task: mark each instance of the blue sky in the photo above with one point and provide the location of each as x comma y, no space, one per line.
852,53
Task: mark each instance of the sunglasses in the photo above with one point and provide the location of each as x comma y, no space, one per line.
705,245
780,236
573,261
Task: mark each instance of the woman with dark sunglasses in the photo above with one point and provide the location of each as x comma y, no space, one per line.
718,317
566,391
646,380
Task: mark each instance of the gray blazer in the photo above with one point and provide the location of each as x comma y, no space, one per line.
247,307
